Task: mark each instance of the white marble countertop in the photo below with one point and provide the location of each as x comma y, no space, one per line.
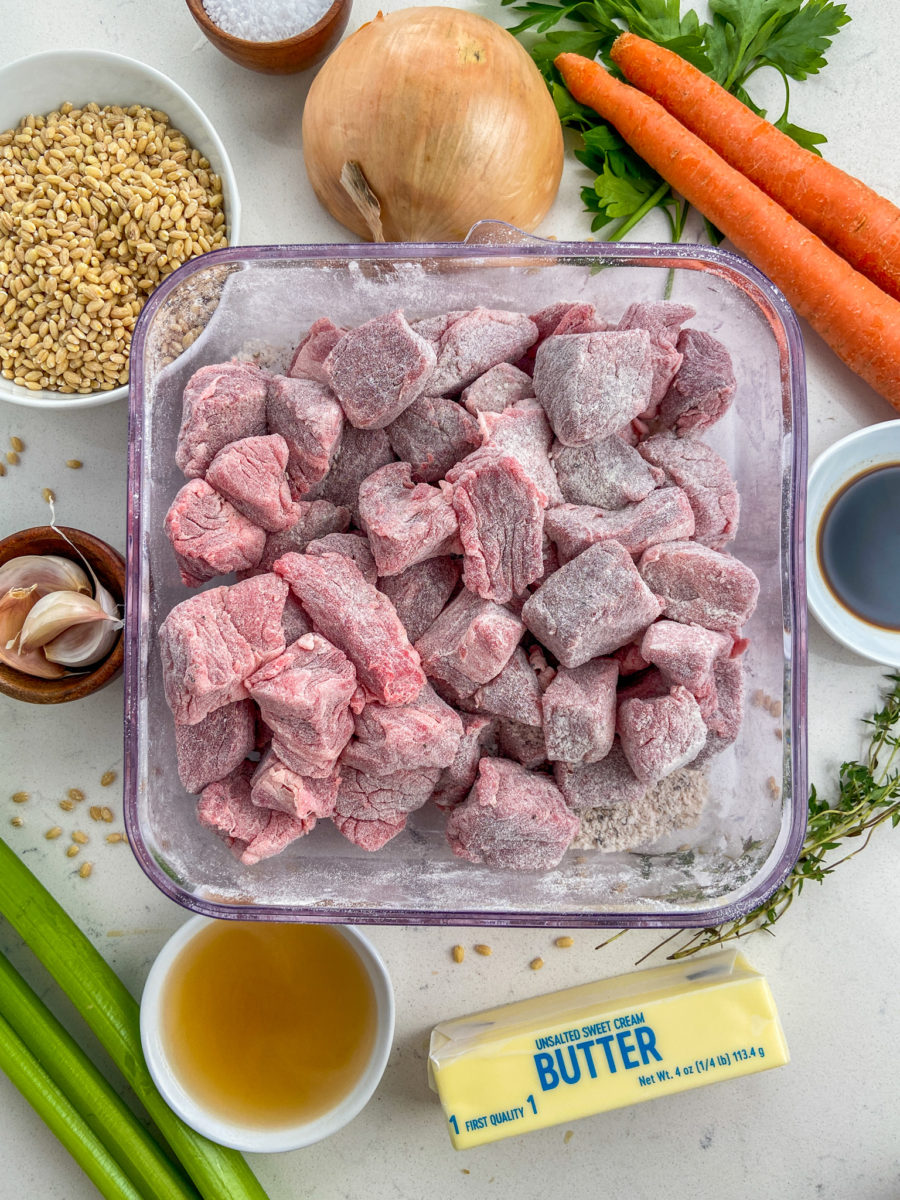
823,1127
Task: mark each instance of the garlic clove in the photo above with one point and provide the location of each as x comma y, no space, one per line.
86,644
15,607
54,614
50,572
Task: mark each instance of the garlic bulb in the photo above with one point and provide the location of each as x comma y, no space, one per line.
15,606
84,644
54,614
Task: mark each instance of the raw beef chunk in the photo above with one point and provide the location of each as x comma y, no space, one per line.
470,643
275,785
702,391
304,697
607,473
700,586
406,523
522,431
209,536
497,389
362,452
432,435
658,736
579,710
432,329
294,620
251,474
501,521
592,384
724,722
353,546
706,481
310,420
524,743
309,356
252,833
372,809
221,404
514,693
665,516
378,369
602,784
649,685
316,519
211,642
479,340
591,606
560,319
358,619
630,659
420,593
662,321
456,780
686,654
511,819
215,746
425,733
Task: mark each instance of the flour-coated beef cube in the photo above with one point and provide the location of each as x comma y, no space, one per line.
646,685
420,593
700,586
432,435
512,819
686,654
432,329
372,809
523,432
221,404
362,452
281,829
666,515
725,719
706,481
630,659
378,369
294,620
607,473
250,473
211,642
523,743
406,523
660,735
455,781
225,806
592,384
311,422
275,785
476,342
470,642
359,620
215,746
703,389
307,359
514,693
662,320
354,546
602,784
591,606
209,536
424,733
501,518
579,712
560,319
497,389
315,519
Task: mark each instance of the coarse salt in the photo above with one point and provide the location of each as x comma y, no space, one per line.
270,21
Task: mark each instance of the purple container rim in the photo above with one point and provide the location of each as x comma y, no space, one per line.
779,314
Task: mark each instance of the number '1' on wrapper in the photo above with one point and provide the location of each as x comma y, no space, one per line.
603,1045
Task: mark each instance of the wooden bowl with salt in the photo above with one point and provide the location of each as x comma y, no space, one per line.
284,57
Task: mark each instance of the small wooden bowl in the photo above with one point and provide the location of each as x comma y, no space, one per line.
278,58
110,568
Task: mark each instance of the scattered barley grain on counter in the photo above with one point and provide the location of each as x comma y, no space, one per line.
85,869
536,964
20,797
75,794
17,822
49,495
80,837
75,464
458,953
17,444
72,850
114,838
12,458
67,805
53,833
564,942
483,950
94,812
2,469
107,778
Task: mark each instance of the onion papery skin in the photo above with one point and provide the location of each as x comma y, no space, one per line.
448,118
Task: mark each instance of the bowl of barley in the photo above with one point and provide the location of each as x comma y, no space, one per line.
111,177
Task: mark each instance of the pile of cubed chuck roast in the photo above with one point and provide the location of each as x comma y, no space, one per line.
481,565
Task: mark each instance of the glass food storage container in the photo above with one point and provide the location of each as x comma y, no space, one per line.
257,301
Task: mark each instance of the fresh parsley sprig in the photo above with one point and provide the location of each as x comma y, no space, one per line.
791,36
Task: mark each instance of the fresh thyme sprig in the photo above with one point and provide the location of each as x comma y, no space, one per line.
868,796
791,36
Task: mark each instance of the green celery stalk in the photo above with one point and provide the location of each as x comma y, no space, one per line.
58,1114
106,1114
114,1016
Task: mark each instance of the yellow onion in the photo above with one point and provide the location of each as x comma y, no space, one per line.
427,120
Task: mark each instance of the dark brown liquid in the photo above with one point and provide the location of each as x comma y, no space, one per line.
859,546
269,1025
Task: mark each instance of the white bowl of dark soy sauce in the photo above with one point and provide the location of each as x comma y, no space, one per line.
853,542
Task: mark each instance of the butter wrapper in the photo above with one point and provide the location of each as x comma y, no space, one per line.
603,1045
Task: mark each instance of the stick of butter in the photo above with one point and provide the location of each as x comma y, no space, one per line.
603,1045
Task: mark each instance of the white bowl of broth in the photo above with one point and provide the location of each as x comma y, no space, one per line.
267,1037
853,542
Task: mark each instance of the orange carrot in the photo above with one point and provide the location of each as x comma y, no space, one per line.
850,217
857,319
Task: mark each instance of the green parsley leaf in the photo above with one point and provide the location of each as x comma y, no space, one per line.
803,137
799,46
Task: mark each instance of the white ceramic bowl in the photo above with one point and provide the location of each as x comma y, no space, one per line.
42,82
239,1137
875,446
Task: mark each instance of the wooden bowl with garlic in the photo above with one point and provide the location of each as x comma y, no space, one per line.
62,593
